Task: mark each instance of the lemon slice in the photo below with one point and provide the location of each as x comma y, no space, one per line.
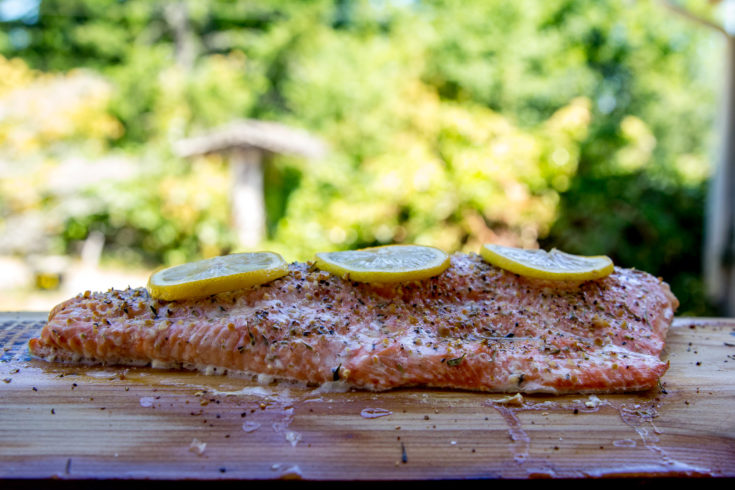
216,275
390,263
547,265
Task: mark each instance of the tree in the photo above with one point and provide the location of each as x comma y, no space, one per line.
450,122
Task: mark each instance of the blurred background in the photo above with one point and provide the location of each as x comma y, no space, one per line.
135,134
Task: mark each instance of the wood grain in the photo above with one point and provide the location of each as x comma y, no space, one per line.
93,422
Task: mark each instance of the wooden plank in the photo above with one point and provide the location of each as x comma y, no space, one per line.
92,422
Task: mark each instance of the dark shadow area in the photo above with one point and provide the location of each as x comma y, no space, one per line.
638,223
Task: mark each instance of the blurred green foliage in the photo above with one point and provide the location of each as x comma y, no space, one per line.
577,124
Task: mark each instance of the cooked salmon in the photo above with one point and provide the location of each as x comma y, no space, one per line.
473,327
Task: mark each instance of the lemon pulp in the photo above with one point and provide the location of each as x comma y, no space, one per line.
547,265
216,275
389,263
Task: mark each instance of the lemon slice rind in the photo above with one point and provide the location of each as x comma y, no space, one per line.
554,264
386,264
216,275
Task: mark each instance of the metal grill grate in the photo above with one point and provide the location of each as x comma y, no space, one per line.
14,336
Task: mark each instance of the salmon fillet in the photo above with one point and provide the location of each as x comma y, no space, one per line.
473,327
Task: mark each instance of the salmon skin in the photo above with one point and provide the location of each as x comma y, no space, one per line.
473,327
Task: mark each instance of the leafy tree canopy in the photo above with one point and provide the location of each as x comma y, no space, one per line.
577,124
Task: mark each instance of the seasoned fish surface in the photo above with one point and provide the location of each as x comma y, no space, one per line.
473,327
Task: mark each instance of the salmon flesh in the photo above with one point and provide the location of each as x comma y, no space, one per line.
473,327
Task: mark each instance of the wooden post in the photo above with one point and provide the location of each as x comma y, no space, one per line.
248,203
719,252
719,236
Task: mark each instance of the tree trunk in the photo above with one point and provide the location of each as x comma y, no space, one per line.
719,256
248,203
176,15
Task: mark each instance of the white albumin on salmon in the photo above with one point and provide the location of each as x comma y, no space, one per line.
473,327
